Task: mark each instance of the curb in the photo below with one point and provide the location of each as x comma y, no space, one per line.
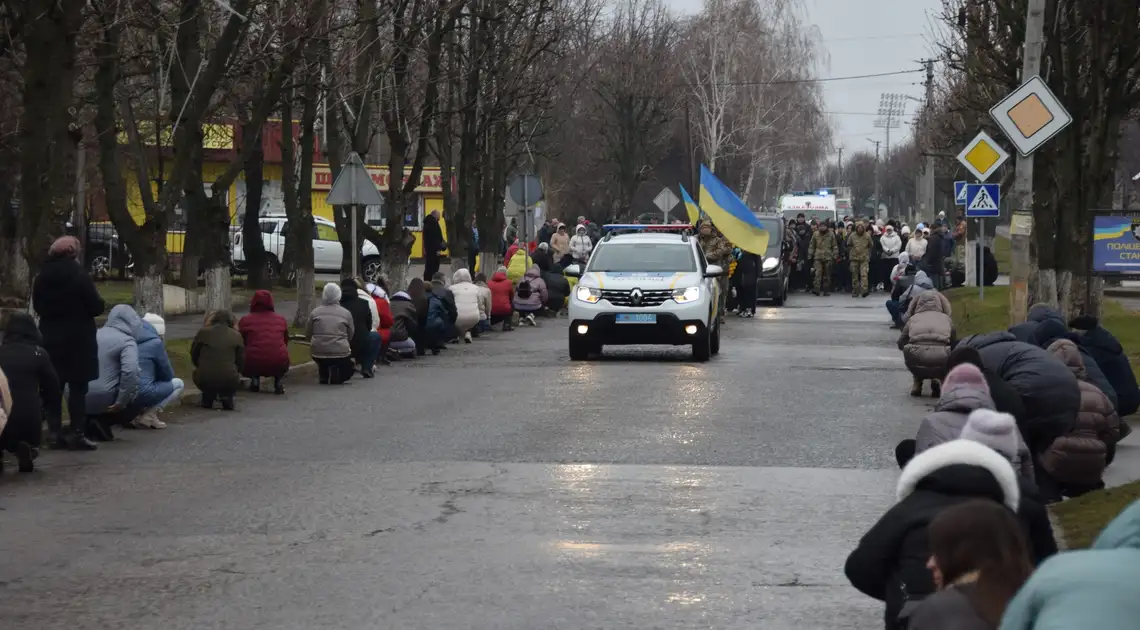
1125,292
193,396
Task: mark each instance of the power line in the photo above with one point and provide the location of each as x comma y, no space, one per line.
824,79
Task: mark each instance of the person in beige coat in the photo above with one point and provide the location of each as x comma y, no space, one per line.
560,243
926,339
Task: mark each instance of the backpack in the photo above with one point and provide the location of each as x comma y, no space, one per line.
523,290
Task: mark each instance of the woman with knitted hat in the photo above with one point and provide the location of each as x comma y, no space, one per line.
963,392
67,303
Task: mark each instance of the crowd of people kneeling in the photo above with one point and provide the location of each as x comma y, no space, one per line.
1025,417
120,374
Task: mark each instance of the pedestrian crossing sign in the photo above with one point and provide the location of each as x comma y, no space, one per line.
959,193
983,201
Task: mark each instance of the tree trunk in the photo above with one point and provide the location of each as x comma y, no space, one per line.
254,248
219,294
297,187
14,279
47,139
147,243
148,289
195,209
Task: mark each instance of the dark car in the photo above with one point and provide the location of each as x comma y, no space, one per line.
772,283
105,252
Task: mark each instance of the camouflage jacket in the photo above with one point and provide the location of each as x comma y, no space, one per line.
823,246
859,246
716,248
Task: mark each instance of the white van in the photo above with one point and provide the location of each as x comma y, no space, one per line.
818,207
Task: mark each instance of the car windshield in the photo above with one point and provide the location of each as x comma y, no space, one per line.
644,257
774,235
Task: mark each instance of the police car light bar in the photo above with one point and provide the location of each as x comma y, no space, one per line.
663,227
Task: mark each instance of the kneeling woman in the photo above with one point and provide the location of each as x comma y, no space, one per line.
218,353
330,330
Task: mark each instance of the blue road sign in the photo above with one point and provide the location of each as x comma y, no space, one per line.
959,193
983,201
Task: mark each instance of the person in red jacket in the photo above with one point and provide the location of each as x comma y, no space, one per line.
502,291
511,252
379,293
266,336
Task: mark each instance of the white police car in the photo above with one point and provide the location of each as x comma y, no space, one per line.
651,286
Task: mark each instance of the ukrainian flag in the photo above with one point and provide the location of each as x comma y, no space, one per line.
730,215
691,206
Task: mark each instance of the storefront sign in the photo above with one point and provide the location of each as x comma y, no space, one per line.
430,180
1116,244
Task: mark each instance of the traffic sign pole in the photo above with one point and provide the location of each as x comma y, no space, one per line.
979,262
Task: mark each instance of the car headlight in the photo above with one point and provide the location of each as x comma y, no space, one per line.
686,295
770,264
588,294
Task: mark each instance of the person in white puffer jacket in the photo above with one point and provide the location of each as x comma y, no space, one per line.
466,302
580,244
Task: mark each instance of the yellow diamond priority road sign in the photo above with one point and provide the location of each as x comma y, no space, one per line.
1030,116
983,157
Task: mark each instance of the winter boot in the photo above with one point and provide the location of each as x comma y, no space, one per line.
916,389
935,389
278,386
208,400
26,456
255,384
227,403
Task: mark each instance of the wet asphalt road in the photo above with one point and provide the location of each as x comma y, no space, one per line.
497,486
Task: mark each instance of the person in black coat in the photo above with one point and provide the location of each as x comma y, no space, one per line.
1006,399
439,288
889,564
34,387
1109,355
434,245
748,272
67,303
1053,329
934,258
361,319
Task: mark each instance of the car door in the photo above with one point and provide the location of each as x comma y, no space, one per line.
327,250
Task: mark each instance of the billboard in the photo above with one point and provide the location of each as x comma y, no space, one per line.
1116,244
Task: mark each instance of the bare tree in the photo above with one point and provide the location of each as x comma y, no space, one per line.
1091,60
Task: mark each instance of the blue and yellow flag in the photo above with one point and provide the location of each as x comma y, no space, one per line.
731,216
691,207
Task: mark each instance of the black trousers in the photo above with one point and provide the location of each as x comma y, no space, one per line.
431,266
334,371
76,408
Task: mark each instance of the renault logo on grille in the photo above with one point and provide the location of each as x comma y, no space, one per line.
635,296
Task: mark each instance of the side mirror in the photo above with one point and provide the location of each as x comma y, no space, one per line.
572,271
714,271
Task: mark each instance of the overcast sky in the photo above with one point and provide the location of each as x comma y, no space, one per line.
866,37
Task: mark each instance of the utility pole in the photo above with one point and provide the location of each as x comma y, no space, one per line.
690,169
876,211
1021,227
927,205
839,176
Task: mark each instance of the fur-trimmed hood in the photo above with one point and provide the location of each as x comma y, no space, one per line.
960,453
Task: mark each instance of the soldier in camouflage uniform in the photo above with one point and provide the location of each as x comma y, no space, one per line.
822,252
859,246
717,252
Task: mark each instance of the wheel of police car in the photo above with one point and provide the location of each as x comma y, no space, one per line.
702,347
579,351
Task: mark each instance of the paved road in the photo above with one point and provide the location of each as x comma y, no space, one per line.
497,486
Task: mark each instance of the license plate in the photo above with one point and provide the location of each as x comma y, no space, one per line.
636,318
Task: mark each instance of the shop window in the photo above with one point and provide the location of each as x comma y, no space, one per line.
374,216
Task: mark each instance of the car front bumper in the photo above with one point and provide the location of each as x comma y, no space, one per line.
770,287
603,330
